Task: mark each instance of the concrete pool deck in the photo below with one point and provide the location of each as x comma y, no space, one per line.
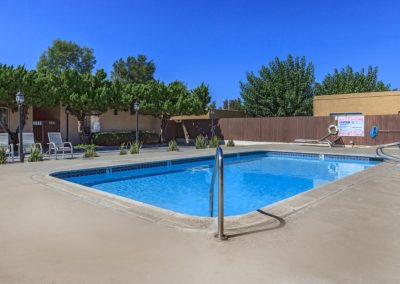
52,236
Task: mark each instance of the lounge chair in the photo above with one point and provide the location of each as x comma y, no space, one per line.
5,143
58,145
331,139
29,142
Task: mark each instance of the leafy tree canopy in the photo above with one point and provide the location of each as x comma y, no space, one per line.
38,89
212,105
235,104
133,70
84,94
347,81
203,94
12,80
283,88
162,100
66,55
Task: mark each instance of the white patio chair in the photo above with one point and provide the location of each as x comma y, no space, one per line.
58,145
5,143
29,142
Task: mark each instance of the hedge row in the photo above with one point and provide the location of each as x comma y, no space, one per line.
117,138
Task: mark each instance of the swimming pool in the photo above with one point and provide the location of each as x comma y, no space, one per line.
252,179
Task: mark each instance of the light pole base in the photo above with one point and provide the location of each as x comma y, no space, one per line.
221,237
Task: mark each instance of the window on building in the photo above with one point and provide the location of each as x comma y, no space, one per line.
3,117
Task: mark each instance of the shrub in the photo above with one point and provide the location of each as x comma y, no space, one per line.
3,155
135,148
122,149
201,142
214,142
90,150
230,143
36,155
172,145
117,138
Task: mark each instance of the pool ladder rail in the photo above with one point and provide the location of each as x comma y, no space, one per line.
381,153
218,166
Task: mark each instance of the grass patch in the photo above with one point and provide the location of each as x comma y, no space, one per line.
201,142
214,142
122,149
135,148
172,145
230,143
3,155
36,155
90,150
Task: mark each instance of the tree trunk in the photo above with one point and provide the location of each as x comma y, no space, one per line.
164,124
81,127
14,135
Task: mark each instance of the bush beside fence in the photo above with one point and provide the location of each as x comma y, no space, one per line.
117,138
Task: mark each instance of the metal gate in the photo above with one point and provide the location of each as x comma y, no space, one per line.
41,128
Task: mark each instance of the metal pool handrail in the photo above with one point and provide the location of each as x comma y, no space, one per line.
212,184
381,153
218,165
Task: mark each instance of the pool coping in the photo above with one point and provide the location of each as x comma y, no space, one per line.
255,220
172,162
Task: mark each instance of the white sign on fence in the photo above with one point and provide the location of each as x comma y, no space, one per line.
95,124
351,125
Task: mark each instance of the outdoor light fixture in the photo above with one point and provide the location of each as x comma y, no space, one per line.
20,98
136,107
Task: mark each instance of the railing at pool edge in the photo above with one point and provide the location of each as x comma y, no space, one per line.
212,186
218,165
381,153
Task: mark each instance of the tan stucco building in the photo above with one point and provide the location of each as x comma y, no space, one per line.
9,119
373,103
43,120
125,121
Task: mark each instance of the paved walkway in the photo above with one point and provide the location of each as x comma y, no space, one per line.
49,236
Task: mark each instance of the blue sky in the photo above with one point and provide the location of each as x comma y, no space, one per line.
212,41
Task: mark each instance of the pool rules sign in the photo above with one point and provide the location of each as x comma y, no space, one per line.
351,125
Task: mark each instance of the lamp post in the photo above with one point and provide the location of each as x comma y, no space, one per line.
20,98
212,112
136,108
67,122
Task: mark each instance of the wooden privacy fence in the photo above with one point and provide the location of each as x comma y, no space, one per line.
284,129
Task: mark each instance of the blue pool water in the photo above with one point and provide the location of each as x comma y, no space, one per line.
251,181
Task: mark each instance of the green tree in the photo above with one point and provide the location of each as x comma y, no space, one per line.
11,81
283,88
203,94
212,105
163,101
37,88
235,104
66,55
133,70
347,81
84,94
